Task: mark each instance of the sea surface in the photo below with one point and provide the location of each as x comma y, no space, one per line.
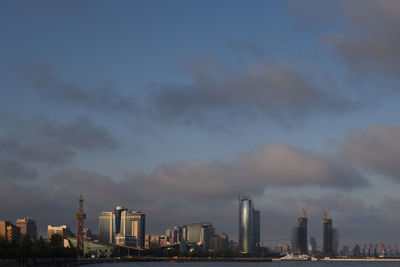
250,264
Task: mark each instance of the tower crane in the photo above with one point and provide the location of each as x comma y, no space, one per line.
305,210
327,210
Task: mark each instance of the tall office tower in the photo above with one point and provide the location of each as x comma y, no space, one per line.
256,228
62,230
123,222
327,250
27,227
299,237
246,225
302,226
335,241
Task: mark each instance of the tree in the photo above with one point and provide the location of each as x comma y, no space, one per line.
26,246
56,241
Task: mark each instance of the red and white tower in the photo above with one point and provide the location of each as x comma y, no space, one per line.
80,216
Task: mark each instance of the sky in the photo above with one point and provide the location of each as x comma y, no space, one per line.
174,108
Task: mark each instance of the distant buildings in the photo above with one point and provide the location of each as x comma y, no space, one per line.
10,232
312,246
27,227
122,222
249,225
219,242
282,249
62,230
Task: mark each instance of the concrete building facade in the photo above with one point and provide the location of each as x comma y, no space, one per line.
27,227
124,222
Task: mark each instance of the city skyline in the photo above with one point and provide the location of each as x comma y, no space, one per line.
174,108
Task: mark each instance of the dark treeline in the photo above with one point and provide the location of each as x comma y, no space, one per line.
36,249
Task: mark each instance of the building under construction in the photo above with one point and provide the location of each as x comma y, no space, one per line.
299,234
299,237
330,239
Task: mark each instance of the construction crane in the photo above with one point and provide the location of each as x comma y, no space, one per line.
305,210
327,210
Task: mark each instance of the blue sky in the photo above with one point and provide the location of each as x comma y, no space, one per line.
278,99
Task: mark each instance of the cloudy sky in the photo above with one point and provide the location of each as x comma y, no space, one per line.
175,107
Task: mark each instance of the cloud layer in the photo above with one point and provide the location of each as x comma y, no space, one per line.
39,140
276,91
376,149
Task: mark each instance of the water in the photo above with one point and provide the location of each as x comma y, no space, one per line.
250,264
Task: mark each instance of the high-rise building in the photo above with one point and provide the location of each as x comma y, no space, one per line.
299,237
249,225
124,222
3,229
256,228
27,227
327,250
10,232
62,230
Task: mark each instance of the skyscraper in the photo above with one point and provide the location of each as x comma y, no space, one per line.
256,228
299,237
249,225
123,222
327,250
27,227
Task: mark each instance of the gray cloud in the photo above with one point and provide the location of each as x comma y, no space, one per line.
370,35
38,139
11,169
81,133
376,149
40,75
51,153
276,91
272,165
215,95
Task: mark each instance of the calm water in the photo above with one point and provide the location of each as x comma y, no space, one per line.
237,264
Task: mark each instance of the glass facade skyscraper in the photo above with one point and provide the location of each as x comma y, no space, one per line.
249,225
122,222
